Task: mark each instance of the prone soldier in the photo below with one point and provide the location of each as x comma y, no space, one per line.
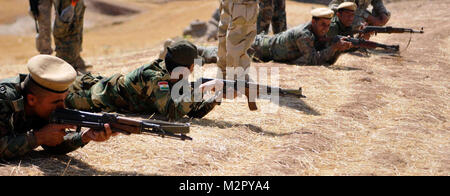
146,90
26,102
379,16
300,45
341,23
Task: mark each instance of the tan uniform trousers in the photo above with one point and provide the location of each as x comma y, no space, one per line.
237,31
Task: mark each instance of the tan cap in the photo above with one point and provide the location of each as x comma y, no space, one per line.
348,6
51,73
322,13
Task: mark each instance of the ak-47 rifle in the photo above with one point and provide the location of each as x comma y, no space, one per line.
388,29
120,124
362,43
34,4
251,87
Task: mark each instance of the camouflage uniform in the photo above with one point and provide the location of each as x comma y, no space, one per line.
337,28
43,38
16,129
68,36
361,13
272,11
295,46
137,92
237,30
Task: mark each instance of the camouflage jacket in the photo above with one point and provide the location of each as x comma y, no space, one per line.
337,28
362,13
16,129
299,46
146,90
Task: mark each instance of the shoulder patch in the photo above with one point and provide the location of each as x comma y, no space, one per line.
2,89
163,86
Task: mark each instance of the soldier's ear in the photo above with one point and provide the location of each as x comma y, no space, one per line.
313,21
32,100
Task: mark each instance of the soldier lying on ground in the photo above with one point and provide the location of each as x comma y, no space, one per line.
341,23
379,16
300,45
26,103
146,90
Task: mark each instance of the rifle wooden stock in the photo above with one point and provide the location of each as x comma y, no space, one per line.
120,124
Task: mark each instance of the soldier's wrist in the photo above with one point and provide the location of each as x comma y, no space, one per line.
32,140
84,137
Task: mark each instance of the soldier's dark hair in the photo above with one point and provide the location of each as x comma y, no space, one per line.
318,18
30,87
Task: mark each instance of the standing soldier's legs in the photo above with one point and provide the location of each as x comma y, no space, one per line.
241,34
266,12
279,16
43,38
225,19
69,36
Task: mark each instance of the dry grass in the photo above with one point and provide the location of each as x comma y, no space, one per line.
377,115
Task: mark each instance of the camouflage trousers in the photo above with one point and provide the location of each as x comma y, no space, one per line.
43,38
68,36
258,52
272,11
237,30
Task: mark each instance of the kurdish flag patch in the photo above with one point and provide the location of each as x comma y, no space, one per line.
163,86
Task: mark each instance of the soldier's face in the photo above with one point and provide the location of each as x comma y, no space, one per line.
43,105
346,17
321,26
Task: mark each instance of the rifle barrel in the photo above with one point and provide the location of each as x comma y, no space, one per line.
389,29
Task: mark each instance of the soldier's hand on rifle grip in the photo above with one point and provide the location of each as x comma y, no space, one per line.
216,86
52,134
366,36
97,135
343,45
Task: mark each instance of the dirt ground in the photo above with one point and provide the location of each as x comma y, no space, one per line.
365,115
